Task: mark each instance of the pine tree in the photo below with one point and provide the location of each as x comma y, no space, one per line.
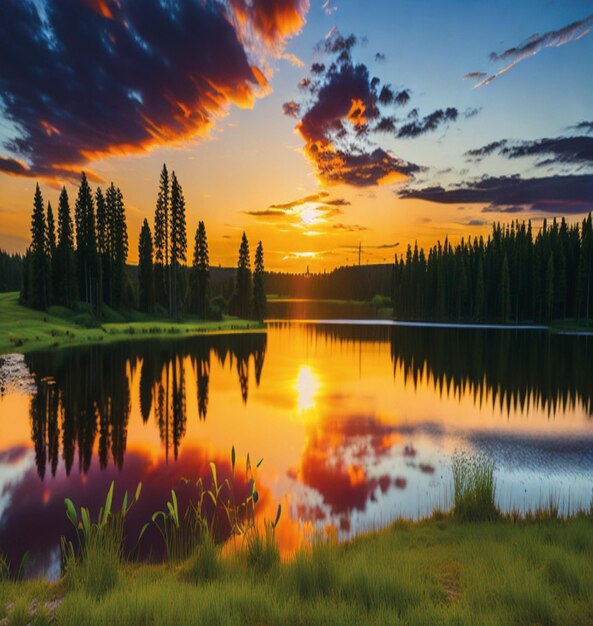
86,244
39,260
549,289
161,240
201,273
118,242
243,281
479,291
259,293
145,269
178,243
65,260
51,254
103,247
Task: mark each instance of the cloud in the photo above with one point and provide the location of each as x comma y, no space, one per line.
557,194
493,208
311,214
83,80
291,109
429,123
575,150
345,108
585,127
536,43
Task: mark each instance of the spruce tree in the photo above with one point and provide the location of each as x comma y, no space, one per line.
103,247
86,244
259,293
39,260
51,255
243,281
118,242
201,273
65,260
178,247
145,269
161,240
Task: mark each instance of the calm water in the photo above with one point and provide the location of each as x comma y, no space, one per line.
356,423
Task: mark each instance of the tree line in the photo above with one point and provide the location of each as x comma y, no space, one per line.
516,275
85,259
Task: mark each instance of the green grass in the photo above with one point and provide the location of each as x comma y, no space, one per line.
438,571
24,330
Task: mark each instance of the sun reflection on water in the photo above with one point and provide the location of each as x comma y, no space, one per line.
306,385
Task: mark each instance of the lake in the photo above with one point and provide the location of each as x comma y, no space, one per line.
356,423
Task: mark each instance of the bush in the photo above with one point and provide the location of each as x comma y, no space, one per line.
205,563
86,320
218,303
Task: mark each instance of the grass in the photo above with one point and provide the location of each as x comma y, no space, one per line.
24,330
469,566
437,571
473,488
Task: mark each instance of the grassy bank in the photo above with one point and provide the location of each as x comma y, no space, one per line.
24,330
470,566
438,571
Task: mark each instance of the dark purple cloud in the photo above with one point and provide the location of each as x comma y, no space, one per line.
92,78
557,194
576,150
344,107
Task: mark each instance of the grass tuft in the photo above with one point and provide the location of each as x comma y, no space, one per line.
473,488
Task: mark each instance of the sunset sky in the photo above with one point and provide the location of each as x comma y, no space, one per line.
311,125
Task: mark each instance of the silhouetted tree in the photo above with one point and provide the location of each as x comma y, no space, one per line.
178,242
86,244
145,270
200,273
161,241
259,293
65,266
243,281
39,262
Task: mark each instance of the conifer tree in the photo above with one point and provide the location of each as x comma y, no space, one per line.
145,269
259,293
243,281
86,244
65,260
505,292
201,273
39,259
178,248
161,240
51,254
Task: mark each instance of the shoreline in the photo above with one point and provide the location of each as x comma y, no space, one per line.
25,330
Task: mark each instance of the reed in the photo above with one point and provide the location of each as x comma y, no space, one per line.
473,488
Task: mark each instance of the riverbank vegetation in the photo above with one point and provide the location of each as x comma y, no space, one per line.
23,329
472,565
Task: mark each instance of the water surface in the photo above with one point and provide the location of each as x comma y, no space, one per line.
356,423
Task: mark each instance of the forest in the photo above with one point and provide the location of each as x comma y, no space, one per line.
81,263
516,275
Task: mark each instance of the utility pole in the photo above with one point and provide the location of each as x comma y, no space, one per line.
359,251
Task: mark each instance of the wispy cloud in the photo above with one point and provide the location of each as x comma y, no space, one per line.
535,44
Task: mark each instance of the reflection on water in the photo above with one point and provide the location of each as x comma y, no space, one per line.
356,423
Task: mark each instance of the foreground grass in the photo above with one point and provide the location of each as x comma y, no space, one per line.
24,330
438,571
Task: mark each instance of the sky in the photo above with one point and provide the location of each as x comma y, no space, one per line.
312,125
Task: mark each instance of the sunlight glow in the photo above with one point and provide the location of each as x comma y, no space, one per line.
307,386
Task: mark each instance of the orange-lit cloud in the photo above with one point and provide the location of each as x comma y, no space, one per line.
136,76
